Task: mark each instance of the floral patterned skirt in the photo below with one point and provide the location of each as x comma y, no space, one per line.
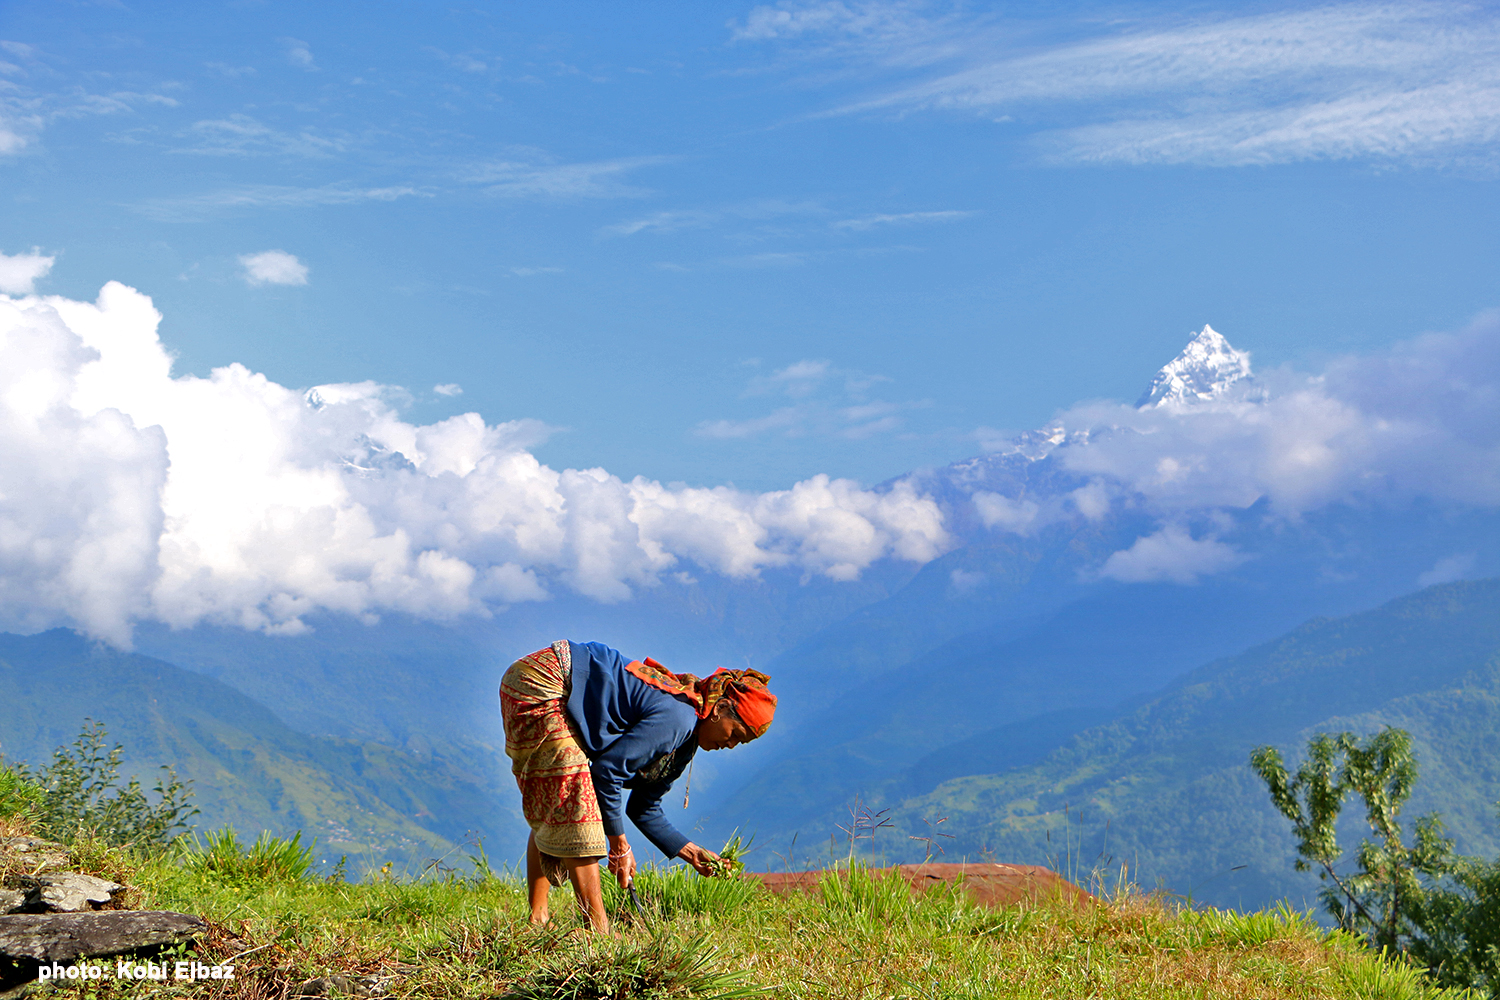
557,791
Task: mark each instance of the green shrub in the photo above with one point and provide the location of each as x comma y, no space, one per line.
270,859
83,799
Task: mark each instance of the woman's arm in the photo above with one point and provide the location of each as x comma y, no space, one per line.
645,811
700,858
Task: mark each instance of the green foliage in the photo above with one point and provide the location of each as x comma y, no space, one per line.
1462,943
1423,901
270,859
20,797
84,800
1379,897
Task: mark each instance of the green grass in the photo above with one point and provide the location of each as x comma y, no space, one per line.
858,936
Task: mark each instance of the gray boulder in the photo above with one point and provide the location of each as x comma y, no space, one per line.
67,892
67,937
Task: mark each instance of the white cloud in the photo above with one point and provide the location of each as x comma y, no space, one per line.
530,179
676,220
1172,555
198,207
532,272
228,71
1420,419
1014,515
462,61
273,267
662,223
1448,569
829,401
905,218
967,581
448,389
1407,82
242,135
19,272
791,419
299,54
128,494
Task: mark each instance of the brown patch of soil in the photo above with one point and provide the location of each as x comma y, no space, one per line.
987,884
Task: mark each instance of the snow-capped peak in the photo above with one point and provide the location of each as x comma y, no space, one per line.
1205,369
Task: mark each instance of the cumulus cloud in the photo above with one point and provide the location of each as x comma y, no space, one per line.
1419,419
129,494
448,389
273,267
1172,555
19,272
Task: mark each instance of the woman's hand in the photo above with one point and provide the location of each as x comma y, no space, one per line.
621,861
700,858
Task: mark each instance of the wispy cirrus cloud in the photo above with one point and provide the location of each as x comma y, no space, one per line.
823,400
27,109
213,204
241,135
540,178
867,222
1403,82
676,220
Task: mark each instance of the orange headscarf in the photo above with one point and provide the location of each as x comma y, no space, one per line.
745,690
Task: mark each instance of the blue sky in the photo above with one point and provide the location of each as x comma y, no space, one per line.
718,242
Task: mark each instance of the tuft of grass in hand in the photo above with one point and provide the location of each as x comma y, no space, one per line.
731,858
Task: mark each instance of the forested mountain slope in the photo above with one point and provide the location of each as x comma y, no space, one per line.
1167,788
248,768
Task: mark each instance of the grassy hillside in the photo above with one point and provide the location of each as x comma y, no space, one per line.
1167,788
466,935
249,769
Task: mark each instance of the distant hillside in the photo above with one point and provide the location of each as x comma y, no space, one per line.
1170,782
369,801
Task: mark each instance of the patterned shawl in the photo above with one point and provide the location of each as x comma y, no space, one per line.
745,690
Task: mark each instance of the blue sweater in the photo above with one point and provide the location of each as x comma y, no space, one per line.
636,737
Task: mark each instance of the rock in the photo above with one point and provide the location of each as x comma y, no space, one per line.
32,855
12,900
360,987
67,937
70,892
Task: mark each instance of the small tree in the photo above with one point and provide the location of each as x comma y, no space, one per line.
1383,896
1442,909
